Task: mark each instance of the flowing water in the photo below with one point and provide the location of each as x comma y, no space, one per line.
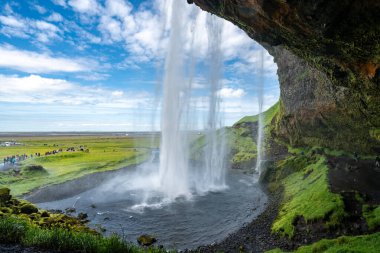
116,206
174,146
260,128
176,178
215,142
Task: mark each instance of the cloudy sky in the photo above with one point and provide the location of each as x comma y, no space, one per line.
96,65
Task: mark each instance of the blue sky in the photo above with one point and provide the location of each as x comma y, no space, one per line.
95,65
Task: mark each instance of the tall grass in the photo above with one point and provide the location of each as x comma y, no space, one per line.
21,232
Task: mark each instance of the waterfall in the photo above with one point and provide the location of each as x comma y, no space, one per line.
260,127
215,145
173,170
176,176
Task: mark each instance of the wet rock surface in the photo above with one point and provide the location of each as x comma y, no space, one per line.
351,175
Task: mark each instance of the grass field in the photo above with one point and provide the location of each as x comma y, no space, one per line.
105,153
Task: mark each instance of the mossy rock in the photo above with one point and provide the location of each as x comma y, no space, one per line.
45,214
6,210
34,170
5,194
146,240
28,209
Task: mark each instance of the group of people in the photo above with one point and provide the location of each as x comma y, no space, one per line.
16,158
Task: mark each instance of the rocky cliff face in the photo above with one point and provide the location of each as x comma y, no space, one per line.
328,54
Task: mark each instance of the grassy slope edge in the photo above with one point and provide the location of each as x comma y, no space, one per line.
303,179
344,244
23,223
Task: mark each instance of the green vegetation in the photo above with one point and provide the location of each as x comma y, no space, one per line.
268,116
308,184
23,223
241,138
372,216
242,145
363,243
104,154
18,231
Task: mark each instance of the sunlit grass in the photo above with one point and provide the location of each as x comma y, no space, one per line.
307,195
362,243
105,153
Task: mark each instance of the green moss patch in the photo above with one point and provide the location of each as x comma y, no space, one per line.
372,216
307,195
363,243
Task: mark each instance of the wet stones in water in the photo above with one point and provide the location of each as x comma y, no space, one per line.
82,216
70,210
55,211
146,240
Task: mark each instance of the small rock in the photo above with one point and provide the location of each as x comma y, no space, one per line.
146,240
70,210
93,206
82,216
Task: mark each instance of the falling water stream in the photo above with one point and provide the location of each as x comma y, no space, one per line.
260,127
177,178
174,166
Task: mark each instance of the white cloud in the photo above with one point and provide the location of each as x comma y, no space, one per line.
55,17
40,9
47,31
119,8
32,62
18,26
40,90
93,76
117,93
60,2
84,6
111,29
12,22
231,93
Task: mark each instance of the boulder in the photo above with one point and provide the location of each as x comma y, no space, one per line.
146,240
28,209
5,194
82,216
45,214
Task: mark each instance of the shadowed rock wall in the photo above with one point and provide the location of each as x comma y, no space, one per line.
328,54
